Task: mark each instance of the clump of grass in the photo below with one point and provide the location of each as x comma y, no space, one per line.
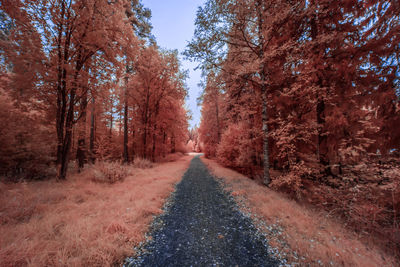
109,172
171,157
142,163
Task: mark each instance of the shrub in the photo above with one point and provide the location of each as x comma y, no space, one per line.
236,148
228,149
109,172
142,163
171,157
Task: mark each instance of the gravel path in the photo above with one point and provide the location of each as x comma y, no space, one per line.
202,226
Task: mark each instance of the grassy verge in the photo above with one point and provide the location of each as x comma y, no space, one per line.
81,222
306,236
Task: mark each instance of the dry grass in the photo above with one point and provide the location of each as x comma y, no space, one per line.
314,236
79,222
171,157
109,172
142,163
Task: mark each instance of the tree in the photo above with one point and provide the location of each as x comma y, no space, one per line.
140,18
210,127
222,25
157,93
71,34
76,63
320,70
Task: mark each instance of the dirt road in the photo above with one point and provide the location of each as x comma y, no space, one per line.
203,227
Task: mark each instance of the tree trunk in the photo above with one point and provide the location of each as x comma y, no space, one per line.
320,109
253,156
126,155
164,143
146,120
92,130
267,178
173,143
66,119
111,123
62,171
133,145
260,11
153,152
321,146
69,122
63,56
70,116
217,117
120,124
81,150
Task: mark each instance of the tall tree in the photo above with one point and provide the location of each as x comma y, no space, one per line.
310,62
237,24
72,33
157,94
140,21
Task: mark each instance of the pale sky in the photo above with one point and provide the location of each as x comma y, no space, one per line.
173,27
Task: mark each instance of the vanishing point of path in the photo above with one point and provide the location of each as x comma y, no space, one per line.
203,227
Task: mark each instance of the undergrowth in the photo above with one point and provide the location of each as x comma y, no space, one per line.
319,237
79,222
109,172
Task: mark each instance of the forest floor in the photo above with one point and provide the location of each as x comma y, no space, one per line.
207,220
80,222
203,226
303,235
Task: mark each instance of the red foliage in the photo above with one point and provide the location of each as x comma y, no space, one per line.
156,92
82,68
26,151
323,74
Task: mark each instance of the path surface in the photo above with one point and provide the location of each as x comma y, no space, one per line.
203,227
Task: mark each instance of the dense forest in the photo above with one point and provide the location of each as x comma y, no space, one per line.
304,96
85,80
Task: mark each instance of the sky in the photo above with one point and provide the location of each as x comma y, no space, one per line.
173,27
